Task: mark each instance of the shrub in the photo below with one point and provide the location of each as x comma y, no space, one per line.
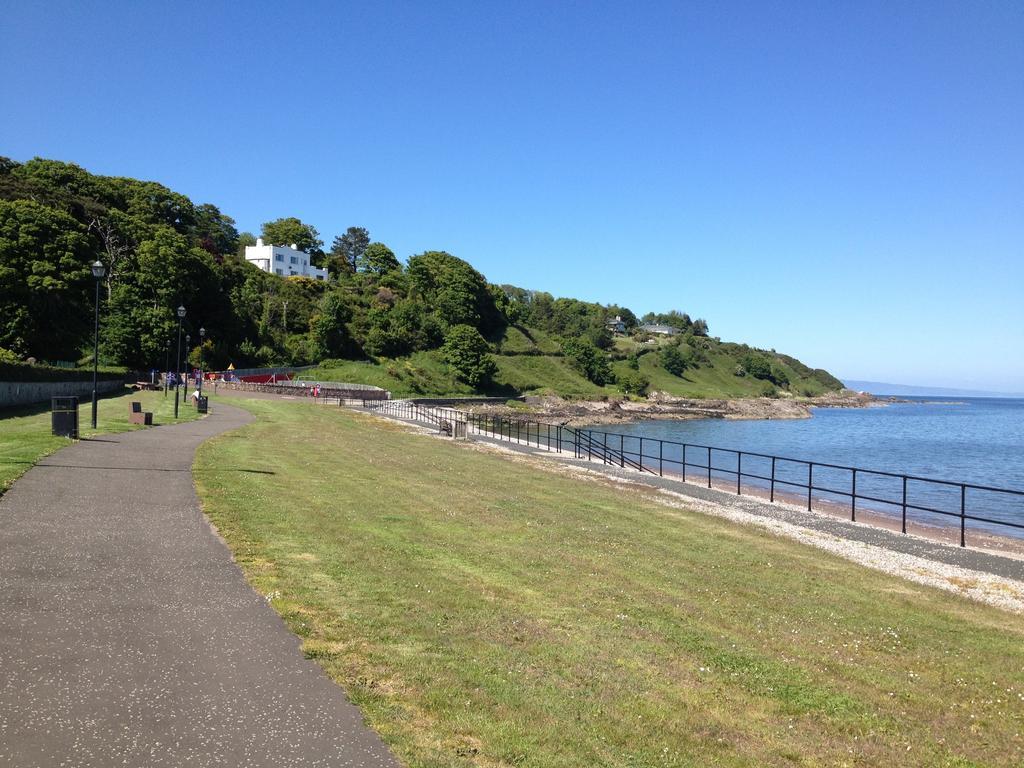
674,360
589,361
466,352
634,383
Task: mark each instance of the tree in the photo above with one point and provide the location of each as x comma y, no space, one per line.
700,327
328,333
634,383
674,360
378,259
45,282
468,355
347,248
589,361
291,230
458,293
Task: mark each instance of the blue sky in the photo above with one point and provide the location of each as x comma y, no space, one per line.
840,181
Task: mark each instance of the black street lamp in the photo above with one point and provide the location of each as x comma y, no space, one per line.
202,335
98,271
177,361
187,364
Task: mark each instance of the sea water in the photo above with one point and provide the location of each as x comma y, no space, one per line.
977,441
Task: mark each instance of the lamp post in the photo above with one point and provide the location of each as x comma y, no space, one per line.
202,335
177,360
98,271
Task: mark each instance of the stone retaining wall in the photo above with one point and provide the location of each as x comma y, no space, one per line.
27,392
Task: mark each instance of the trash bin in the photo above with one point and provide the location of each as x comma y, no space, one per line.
64,416
202,404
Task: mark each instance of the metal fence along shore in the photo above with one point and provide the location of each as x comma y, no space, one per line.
909,497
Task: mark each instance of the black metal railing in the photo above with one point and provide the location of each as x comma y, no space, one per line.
929,500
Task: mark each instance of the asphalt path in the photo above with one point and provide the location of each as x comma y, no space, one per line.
128,635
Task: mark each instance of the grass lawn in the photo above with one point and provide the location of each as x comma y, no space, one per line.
25,431
482,612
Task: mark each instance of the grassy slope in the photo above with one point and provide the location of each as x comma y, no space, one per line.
25,432
485,613
529,363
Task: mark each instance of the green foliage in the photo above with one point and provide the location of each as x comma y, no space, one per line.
674,360
466,352
290,231
162,250
328,333
378,259
589,360
457,293
45,281
346,250
634,383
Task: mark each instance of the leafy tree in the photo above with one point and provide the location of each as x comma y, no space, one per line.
291,230
378,259
45,282
700,327
634,383
329,336
589,361
466,351
347,248
674,360
457,293
756,365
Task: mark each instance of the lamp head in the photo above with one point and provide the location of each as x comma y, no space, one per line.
98,270
181,313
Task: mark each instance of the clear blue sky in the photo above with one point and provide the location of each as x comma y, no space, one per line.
842,181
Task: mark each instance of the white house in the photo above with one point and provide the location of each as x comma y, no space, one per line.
284,260
661,330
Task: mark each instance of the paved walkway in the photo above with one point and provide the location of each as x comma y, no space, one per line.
128,636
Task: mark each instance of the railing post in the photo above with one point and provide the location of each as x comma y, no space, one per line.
684,462
661,458
963,515
853,501
709,466
622,452
771,496
904,530
810,483
641,453
739,470
604,447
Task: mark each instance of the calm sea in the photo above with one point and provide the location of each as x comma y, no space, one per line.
978,441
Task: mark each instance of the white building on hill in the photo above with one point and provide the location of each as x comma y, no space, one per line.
284,260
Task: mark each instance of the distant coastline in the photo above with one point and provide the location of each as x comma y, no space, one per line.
911,390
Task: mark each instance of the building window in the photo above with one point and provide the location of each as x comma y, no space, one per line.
278,257
279,271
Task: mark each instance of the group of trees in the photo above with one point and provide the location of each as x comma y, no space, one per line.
161,250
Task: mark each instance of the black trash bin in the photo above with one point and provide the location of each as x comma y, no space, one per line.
64,416
203,404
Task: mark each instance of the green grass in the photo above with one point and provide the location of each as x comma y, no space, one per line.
485,613
25,432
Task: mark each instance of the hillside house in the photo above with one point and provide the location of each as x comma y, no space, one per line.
615,325
287,261
658,329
